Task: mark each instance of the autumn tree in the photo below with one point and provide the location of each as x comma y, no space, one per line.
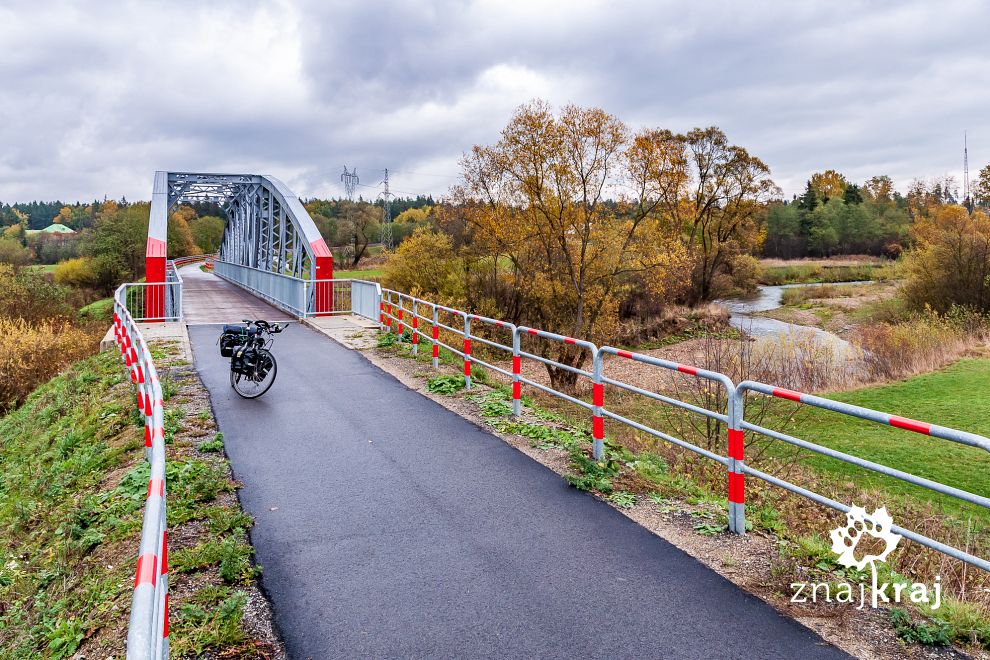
879,189
871,218
951,262
719,198
207,233
416,216
537,205
926,195
118,244
828,185
359,224
427,264
14,254
180,239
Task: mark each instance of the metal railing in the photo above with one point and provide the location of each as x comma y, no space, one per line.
283,291
399,311
147,632
185,261
305,298
139,298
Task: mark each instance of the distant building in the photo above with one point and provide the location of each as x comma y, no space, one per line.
55,228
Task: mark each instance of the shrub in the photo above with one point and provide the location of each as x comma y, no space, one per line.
426,264
31,354
13,253
745,272
32,296
951,265
446,384
80,273
935,633
924,343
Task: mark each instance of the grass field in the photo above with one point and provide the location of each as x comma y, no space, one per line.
100,310
43,268
370,273
953,397
72,491
807,271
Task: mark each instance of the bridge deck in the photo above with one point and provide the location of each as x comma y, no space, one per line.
207,298
389,526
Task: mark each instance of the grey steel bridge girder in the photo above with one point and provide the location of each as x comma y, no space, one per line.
267,227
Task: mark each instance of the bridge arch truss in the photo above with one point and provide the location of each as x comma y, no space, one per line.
270,243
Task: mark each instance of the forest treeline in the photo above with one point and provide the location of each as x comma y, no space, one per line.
837,217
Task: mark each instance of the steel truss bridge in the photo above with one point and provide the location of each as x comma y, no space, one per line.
270,246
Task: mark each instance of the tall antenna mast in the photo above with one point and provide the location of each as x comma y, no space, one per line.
350,180
387,215
967,202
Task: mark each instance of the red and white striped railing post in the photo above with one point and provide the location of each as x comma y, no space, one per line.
400,314
381,315
415,329
467,351
736,472
436,337
597,402
516,371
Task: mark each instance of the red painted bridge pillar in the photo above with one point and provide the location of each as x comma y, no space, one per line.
323,297
154,268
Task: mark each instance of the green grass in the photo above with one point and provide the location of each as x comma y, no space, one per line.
43,268
73,485
954,397
101,310
814,273
370,273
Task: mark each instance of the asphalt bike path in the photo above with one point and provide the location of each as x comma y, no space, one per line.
389,527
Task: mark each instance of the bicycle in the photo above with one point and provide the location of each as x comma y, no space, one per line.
252,366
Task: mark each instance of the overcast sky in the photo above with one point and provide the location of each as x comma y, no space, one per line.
98,95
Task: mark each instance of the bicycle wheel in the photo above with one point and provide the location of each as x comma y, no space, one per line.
259,379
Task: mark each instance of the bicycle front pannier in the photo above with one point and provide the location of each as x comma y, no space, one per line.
232,337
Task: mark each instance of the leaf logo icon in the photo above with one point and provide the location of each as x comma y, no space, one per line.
845,539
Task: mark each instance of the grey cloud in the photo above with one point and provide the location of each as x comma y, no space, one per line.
96,98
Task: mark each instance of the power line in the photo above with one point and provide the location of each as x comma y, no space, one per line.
387,214
966,201
350,180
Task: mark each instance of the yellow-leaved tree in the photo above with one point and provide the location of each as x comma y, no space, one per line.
828,184
566,209
950,264
718,203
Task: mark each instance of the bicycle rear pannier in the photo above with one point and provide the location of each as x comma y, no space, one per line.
232,337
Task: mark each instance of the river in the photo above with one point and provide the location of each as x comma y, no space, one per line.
744,316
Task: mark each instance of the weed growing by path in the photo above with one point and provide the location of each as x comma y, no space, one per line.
446,384
216,444
623,499
492,404
935,633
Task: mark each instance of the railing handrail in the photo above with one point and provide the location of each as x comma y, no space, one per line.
734,416
183,261
147,632
168,294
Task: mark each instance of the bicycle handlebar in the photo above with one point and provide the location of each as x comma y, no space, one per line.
265,326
